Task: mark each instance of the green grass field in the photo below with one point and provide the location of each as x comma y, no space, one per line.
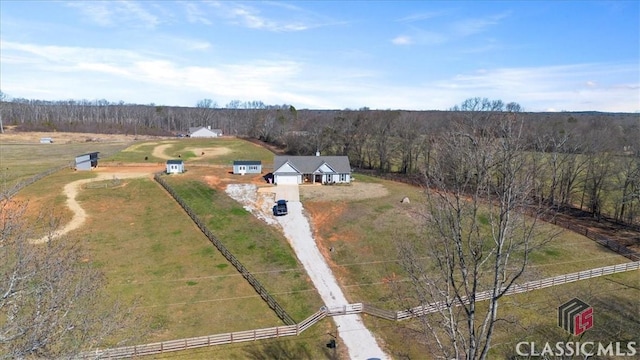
364,236
154,257
21,161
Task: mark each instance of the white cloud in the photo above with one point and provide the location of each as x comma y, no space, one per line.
58,72
402,40
116,13
561,87
422,16
97,11
196,15
453,31
252,17
467,27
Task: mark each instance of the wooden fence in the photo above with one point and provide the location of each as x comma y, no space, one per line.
273,304
294,330
26,182
529,286
597,237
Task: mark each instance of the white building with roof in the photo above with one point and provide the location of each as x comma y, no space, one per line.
299,170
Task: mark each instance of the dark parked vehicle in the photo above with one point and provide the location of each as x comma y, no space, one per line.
280,208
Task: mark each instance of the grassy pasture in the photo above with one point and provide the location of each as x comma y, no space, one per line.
363,235
19,161
155,258
232,149
260,248
153,254
533,317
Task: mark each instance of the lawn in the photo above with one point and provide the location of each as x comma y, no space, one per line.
21,161
221,151
262,249
363,235
155,258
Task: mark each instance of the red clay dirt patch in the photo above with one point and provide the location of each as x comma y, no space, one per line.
321,215
214,182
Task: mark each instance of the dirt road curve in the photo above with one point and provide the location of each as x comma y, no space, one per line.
79,215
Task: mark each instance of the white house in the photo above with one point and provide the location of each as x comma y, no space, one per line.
175,166
204,132
247,167
311,170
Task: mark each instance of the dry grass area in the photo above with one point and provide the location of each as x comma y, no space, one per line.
153,254
10,135
353,192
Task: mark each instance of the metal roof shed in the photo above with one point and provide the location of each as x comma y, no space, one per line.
87,161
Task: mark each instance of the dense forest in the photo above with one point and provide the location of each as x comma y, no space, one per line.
589,160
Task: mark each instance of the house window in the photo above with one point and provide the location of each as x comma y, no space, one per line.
343,177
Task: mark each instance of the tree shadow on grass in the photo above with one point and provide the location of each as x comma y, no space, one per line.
282,350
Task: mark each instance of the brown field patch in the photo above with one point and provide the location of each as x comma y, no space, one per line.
208,152
354,191
321,217
12,136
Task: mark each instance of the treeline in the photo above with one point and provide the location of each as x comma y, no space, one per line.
589,160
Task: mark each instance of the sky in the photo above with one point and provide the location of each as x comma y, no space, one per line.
411,55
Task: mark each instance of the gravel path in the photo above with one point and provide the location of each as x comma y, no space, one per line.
79,215
358,340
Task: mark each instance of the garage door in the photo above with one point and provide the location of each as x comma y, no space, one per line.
286,180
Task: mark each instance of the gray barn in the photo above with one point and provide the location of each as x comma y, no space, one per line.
247,167
87,161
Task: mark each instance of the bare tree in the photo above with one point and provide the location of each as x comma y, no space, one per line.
479,238
204,112
3,96
49,294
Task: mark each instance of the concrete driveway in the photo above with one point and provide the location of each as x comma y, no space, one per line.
287,192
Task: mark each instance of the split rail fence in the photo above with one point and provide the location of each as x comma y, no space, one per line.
296,329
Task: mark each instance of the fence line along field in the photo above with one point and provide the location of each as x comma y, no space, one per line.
160,263
22,155
156,259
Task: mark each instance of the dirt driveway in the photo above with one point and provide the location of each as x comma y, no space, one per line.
287,192
358,340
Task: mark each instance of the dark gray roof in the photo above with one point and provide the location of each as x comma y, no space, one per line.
174,162
247,162
309,164
91,153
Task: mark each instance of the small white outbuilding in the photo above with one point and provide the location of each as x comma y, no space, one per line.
175,166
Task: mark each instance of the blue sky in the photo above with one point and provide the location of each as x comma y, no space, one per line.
414,55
